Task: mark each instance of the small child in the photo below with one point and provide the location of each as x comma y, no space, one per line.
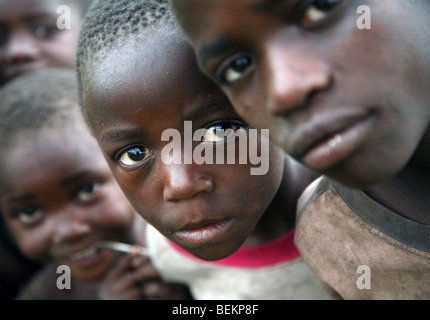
31,40
34,35
343,88
226,233
59,198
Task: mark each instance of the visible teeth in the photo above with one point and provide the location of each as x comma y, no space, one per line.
83,254
335,140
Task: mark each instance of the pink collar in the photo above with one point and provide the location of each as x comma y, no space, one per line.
273,252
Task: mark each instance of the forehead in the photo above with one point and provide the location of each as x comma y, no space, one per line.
143,75
27,8
37,156
219,21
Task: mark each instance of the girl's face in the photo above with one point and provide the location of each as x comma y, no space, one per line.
30,39
348,102
137,94
59,199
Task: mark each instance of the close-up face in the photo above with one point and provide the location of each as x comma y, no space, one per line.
140,103
31,40
59,199
345,100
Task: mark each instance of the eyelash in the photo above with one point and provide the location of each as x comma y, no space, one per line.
45,31
230,123
321,10
147,153
82,193
22,213
245,61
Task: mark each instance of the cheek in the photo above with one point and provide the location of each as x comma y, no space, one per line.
116,210
144,202
34,244
251,107
255,190
61,51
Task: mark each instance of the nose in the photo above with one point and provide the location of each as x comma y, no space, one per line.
294,75
184,181
20,48
70,225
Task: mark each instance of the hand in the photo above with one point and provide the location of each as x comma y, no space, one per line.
135,278
119,283
153,287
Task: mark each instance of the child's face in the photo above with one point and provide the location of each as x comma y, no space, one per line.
134,96
347,102
30,39
59,199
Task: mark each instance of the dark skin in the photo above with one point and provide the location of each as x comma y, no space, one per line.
65,201
209,210
348,103
30,39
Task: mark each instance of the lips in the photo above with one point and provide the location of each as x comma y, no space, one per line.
203,232
84,254
19,69
329,139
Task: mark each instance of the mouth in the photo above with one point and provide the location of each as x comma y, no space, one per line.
204,232
84,254
326,143
17,70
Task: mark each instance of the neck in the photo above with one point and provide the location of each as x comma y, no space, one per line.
280,217
407,194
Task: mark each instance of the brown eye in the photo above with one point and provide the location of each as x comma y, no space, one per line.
88,191
44,31
221,130
134,156
236,68
317,10
29,215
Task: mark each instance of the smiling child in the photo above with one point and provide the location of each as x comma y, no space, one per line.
59,198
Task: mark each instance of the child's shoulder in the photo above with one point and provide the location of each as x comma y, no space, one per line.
41,286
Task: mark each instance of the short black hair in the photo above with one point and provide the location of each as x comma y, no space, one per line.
41,99
108,23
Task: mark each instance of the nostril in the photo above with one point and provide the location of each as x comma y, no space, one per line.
307,99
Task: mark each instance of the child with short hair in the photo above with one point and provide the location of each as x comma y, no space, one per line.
59,198
32,35
343,88
31,40
226,233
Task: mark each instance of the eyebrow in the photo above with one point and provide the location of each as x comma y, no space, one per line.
115,134
21,197
213,49
73,178
223,43
39,16
265,5
203,110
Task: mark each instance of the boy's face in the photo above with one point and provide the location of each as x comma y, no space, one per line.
347,102
134,96
30,39
59,199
